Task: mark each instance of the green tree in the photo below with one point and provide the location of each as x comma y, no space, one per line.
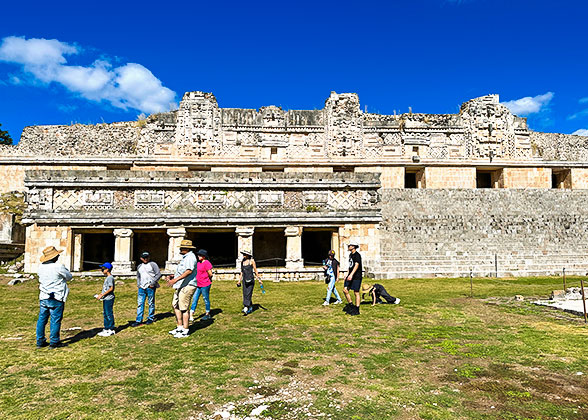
5,137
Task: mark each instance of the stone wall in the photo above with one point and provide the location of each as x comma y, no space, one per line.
450,177
40,237
556,146
448,232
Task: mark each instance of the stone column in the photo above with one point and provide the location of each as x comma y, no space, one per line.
176,236
294,248
123,251
244,241
335,244
78,252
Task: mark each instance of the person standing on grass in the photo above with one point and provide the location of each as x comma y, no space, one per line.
148,276
331,266
247,278
180,281
107,298
53,291
376,292
353,279
203,284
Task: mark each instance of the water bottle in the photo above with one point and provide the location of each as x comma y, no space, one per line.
262,289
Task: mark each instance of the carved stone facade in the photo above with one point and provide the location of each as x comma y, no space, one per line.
291,184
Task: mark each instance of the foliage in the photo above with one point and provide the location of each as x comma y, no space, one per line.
5,137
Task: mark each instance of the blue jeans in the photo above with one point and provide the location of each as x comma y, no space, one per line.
49,308
148,293
108,306
331,288
205,292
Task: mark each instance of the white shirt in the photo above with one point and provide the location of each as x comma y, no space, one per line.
53,278
147,275
188,263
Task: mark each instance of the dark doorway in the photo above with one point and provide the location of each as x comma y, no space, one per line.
221,246
483,179
315,246
156,243
98,248
410,180
269,247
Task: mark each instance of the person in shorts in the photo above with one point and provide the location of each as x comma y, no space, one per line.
353,279
180,281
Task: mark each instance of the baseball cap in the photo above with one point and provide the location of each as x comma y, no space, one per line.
106,265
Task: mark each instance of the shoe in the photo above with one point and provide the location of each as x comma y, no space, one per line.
206,317
56,345
136,324
149,322
111,332
354,311
397,301
325,303
104,333
181,334
244,310
191,316
175,330
338,302
347,307
44,344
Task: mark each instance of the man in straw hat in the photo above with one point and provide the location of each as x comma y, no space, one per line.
185,273
353,278
53,278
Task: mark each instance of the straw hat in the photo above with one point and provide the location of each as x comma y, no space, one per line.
186,243
248,253
49,253
365,288
353,242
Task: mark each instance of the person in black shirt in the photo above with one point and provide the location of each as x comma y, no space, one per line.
353,279
376,293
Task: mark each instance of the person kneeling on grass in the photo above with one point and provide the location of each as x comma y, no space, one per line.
107,298
184,289
376,292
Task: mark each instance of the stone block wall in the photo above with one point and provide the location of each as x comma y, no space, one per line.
447,232
40,237
526,178
579,178
556,146
450,177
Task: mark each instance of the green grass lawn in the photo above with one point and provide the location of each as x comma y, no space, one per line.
437,355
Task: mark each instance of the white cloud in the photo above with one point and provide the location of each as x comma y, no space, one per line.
128,86
529,104
583,100
581,132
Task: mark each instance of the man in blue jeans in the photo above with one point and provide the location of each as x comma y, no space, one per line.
53,291
148,276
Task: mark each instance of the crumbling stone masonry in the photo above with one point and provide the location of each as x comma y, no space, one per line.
424,194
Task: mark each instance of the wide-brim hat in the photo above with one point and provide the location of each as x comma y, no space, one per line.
248,253
203,253
49,253
353,242
186,243
365,288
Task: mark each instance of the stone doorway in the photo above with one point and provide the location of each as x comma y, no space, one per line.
97,248
154,242
221,245
316,243
269,247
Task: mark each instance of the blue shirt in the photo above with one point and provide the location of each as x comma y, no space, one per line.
188,262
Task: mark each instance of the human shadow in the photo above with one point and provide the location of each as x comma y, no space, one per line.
82,335
257,306
162,315
213,313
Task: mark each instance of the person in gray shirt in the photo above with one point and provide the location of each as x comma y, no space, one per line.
148,276
107,298
53,291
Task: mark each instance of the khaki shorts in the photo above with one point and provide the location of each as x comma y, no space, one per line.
183,298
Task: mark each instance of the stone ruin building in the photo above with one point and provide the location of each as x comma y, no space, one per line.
424,194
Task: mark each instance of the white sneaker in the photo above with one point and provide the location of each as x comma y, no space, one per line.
175,330
104,333
112,332
181,334
325,303
397,301
338,302
191,316
245,310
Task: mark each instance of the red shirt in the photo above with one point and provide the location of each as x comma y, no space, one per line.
202,278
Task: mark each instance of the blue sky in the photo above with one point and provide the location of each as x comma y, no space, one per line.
64,62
